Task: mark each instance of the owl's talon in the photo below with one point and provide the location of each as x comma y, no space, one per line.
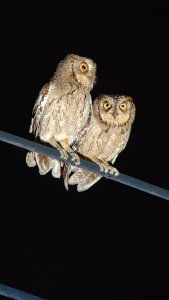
113,171
116,173
74,158
108,171
63,155
62,160
104,171
109,174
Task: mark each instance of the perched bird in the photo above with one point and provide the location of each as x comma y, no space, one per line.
107,136
62,111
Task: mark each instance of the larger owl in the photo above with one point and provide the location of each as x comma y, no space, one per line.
107,136
63,109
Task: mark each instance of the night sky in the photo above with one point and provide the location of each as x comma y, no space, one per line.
111,239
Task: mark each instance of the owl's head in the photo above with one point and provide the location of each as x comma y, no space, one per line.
115,110
77,69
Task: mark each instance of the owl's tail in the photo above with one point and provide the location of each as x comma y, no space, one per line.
45,164
30,159
84,179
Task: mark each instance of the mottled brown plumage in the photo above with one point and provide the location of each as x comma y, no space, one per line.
106,138
63,110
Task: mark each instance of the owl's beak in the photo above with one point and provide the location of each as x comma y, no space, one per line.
115,114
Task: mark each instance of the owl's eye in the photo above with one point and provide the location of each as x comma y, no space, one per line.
83,67
107,105
123,106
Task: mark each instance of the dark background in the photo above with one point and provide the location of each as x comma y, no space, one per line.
111,239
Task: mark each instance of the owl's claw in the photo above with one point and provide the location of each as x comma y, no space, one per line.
75,159
103,171
113,171
64,155
107,170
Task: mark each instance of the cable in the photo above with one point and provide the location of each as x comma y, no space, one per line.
84,164
16,294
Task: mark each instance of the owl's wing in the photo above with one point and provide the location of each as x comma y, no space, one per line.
32,158
39,109
83,179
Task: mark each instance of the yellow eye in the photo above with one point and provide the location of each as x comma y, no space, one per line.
83,67
107,105
123,106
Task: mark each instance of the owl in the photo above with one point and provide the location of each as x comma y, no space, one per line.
107,136
62,111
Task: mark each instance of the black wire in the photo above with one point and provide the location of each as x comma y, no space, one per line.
84,164
15,294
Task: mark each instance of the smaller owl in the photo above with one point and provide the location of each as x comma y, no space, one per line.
107,136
